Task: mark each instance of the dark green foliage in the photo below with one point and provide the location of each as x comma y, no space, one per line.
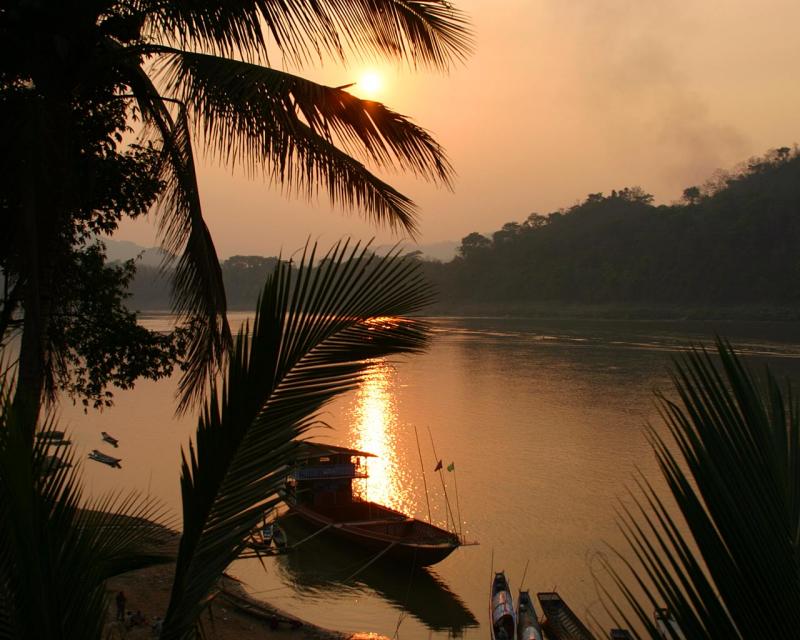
95,341
733,469
733,242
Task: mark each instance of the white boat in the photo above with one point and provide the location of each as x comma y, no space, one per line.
503,616
99,456
527,623
109,439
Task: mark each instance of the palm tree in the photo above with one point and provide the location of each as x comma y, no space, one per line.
734,473
199,69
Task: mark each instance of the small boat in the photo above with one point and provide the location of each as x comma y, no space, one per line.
109,439
667,625
99,456
320,491
504,618
55,463
560,622
620,634
527,623
54,438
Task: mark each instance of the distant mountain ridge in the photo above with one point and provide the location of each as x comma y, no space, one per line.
121,250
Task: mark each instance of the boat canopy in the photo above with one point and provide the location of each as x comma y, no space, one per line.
315,450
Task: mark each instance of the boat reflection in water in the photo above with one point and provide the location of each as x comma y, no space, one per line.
325,564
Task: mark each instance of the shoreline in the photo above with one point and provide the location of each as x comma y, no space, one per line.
232,614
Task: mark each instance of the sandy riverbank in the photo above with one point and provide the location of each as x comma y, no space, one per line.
233,615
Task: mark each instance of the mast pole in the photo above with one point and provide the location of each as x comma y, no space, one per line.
441,477
424,481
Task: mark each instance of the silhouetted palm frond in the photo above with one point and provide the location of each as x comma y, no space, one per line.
56,551
198,290
315,333
736,480
427,32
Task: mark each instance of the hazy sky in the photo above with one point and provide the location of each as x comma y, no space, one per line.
561,98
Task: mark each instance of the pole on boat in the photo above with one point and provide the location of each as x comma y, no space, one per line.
424,481
524,573
441,477
458,504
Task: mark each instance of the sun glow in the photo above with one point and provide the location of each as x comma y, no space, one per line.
375,430
370,84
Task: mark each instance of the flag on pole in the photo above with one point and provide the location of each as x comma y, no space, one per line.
438,466
451,466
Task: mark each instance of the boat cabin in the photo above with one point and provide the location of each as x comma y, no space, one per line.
323,475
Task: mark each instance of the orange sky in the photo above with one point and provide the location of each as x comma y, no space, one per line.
561,98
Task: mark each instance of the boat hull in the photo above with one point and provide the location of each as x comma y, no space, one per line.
385,535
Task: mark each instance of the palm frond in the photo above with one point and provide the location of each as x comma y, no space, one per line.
289,128
231,99
314,335
734,476
55,551
198,290
427,32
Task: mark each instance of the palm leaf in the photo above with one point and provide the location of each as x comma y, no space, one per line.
428,32
734,475
56,550
315,333
198,289
290,127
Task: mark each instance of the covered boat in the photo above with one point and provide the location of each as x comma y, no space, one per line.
320,491
504,619
560,622
527,623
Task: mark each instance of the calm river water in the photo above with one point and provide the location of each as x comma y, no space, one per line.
542,420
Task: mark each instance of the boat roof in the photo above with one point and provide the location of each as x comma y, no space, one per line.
314,449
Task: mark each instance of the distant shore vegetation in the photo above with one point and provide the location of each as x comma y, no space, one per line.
727,249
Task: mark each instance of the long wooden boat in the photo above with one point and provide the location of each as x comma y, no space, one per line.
501,609
107,437
528,627
560,621
320,491
111,461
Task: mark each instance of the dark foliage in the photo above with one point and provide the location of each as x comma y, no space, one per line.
732,242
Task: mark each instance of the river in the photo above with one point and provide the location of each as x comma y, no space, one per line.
541,420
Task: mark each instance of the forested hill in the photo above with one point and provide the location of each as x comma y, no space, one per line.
734,242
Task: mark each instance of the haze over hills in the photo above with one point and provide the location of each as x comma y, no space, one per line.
730,244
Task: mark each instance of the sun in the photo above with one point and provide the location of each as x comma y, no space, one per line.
370,83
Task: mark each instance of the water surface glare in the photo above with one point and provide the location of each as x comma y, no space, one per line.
542,420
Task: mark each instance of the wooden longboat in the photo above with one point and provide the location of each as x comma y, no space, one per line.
501,605
560,621
320,491
527,623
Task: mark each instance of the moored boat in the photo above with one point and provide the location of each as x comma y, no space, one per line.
560,621
320,491
109,439
527,623
503,616
99,456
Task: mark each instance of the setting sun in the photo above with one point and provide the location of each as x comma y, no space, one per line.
370,83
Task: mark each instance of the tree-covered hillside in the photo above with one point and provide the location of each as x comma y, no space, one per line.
731,242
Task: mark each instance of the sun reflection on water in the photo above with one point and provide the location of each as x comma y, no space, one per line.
374,429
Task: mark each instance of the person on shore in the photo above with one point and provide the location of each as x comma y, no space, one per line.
121,606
